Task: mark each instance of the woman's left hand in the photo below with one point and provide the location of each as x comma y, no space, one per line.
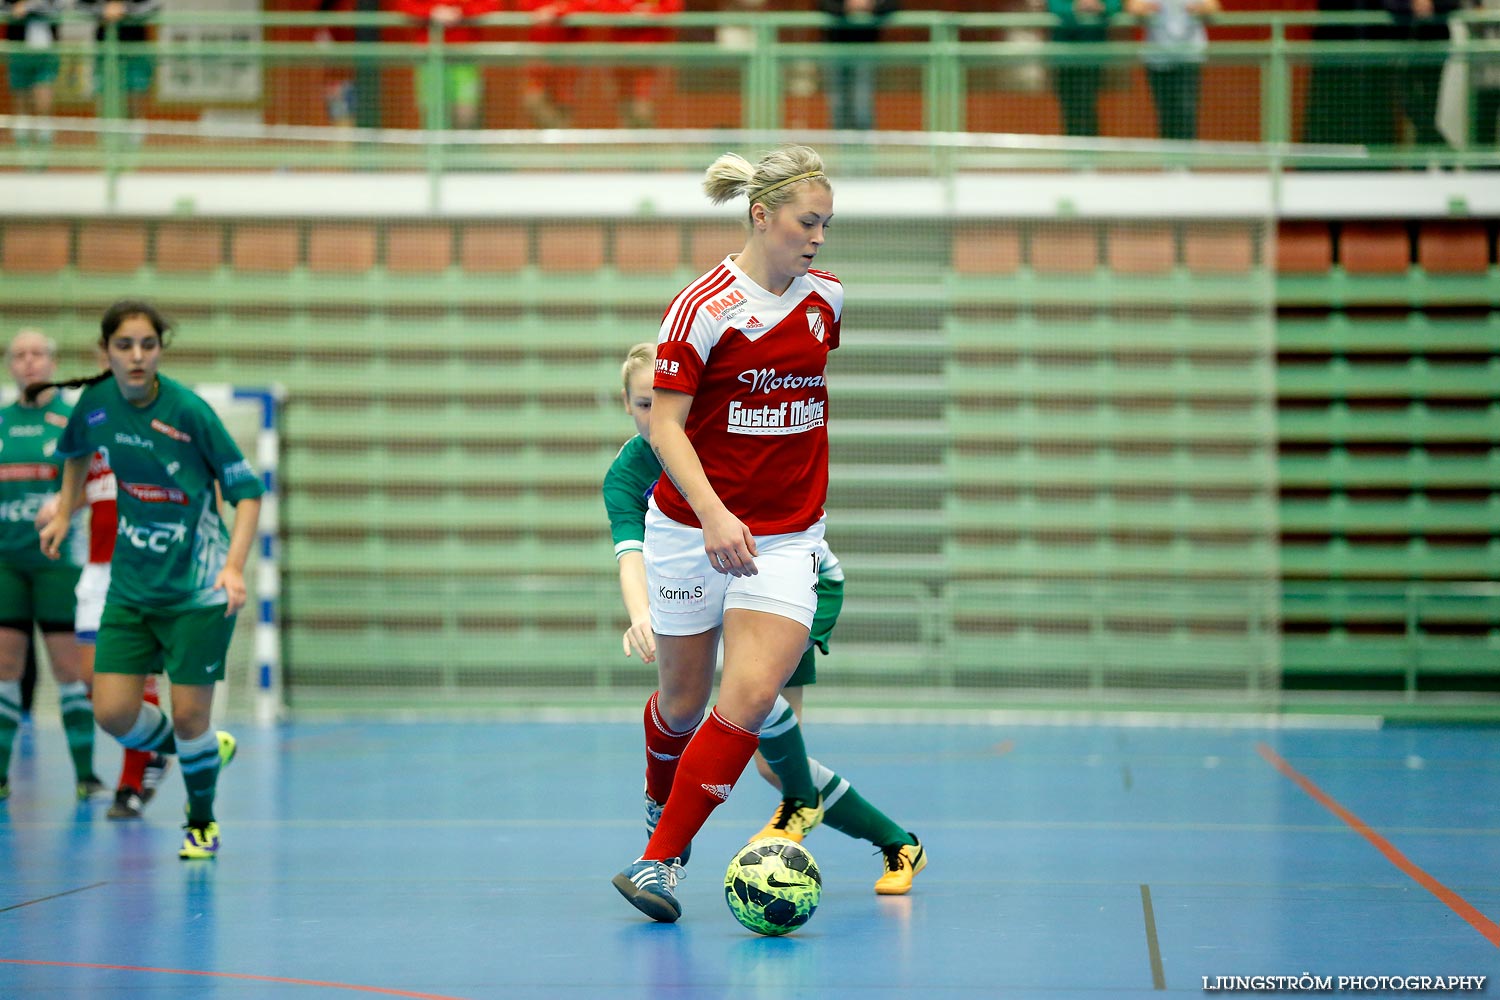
232,582
47,512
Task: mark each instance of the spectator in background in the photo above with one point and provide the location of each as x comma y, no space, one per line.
1176,42
548,92
338,76
1419,74
32,72
851,82
1349,102
1077,83
637,85
451,101
1484,77
738,37
136,66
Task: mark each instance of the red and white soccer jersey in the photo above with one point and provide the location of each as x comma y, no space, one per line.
99,490
754,364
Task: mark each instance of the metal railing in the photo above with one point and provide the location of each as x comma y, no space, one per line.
943,53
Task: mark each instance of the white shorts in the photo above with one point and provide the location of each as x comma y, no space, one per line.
688,596
93,584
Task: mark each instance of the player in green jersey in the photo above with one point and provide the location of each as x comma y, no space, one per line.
811,792
177,575
34,589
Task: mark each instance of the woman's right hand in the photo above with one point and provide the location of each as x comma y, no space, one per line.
52,535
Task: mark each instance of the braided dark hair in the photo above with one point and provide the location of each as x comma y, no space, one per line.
115,315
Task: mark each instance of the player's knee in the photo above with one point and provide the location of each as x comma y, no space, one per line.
189,722
680,712
114,717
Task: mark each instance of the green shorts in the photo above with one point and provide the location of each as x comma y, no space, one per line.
807,669
190,646
41,594
830,603
137,71
31,69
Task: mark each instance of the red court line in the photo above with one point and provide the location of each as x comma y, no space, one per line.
1481,923
234,975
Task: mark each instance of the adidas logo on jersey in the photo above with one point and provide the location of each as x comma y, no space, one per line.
720,792
753,324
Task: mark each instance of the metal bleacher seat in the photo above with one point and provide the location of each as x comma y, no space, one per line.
493,247
1063,248
709,242
265,247
1454,247
1141,248
42,247
646,247
1303,247
1374,247
1221,248
418,248
341,248
188,247
571,247
111,247
986,249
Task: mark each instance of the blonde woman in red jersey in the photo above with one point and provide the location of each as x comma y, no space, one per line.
735,526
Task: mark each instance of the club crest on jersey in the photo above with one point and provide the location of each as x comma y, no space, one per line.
815,324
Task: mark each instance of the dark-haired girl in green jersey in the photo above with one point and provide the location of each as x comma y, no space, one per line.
32,588
177,576
811,792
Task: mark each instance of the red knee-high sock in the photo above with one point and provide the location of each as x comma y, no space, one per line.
133,768
711,765
663,749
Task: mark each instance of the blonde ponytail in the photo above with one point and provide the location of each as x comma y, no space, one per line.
771,182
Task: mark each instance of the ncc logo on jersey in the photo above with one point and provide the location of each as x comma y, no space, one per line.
815,324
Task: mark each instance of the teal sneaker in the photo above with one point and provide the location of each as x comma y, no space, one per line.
200,842
90,787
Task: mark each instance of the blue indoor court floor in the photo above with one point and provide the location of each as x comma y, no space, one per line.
472,860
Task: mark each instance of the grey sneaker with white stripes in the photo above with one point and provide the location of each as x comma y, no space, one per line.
648,886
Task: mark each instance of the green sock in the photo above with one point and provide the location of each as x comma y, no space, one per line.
782,747
10,723
152,731
847,812
199,758
78,723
